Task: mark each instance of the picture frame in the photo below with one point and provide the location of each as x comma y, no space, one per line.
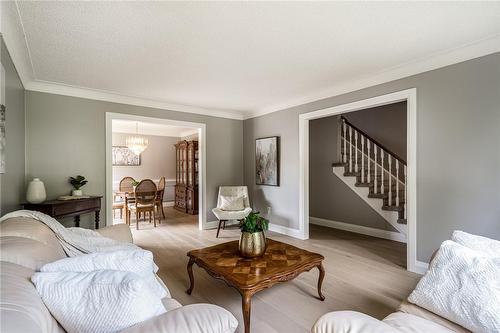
267,161
122,156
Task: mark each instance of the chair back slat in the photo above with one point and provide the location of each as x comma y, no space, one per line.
145,192
161,183
126,184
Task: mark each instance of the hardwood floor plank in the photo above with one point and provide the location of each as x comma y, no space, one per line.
362,273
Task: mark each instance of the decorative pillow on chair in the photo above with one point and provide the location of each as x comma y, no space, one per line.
103,301
486,246
232,203
463,286
137,261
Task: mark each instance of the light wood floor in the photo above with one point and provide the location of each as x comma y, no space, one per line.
362,273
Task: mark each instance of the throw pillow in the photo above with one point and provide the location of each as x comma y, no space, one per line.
232,203
462,286
103,301
137,261
484,245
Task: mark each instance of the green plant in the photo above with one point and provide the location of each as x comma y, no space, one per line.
254,223
77,182
134,183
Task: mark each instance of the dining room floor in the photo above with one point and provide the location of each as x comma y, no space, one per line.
363,273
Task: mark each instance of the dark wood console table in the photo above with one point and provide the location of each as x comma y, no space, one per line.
69,208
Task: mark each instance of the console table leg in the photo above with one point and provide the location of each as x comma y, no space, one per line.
191,277
246,298
77,221
320,281
97,219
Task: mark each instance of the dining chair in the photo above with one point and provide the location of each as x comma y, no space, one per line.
145,195
159,196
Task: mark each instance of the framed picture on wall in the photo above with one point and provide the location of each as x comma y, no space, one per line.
267,161
122,156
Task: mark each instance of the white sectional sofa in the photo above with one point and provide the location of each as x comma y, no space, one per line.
26,245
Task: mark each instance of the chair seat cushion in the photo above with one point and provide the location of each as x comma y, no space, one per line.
231,215
133,206
232,203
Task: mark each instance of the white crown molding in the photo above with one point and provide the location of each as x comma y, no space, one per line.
109,96
442,59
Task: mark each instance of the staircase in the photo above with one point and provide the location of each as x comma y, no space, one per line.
376,174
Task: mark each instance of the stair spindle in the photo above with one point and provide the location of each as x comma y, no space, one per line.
375,187
356,151
345,141
369,159
382,170
350,149
389,160
362,158
397,182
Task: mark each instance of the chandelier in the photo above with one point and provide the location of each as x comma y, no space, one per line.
137,144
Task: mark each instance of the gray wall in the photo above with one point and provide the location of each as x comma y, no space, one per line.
12,182
458,155
329,197
156,161
66,136
386,124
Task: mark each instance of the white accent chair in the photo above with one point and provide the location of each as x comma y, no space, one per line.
226,215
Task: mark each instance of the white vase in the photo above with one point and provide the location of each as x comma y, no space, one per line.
77,193
36,191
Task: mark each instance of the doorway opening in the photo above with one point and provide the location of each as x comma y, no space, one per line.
167,156
398,175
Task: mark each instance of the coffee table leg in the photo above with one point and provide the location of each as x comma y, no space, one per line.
320,281
246,303
191,277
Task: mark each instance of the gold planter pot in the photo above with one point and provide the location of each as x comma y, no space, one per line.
252,244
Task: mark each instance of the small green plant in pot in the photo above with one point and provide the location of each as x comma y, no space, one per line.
77,183
253,240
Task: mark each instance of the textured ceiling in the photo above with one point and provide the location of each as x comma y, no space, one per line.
240,56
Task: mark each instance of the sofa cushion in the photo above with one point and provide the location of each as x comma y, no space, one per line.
407,323
413,309
103,301
486,246
118,232
21,308
29,228
28,252
194,318
462,286
350,322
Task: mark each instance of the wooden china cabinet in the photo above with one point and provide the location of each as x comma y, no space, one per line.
186,187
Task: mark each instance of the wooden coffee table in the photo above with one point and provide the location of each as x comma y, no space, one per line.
281,262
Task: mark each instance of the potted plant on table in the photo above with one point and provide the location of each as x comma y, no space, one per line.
77,183
253,241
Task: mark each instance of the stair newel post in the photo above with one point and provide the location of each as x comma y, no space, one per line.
356,151
362,158
397,182
350,149
369,159
389,161
345,140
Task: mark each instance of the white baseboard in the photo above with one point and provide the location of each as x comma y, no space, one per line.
386,234
421,267
295,233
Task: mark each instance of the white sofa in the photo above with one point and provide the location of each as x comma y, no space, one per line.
26,245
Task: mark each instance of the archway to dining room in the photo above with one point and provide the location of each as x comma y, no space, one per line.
154,172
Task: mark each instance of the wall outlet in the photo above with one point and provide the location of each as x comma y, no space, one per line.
268,210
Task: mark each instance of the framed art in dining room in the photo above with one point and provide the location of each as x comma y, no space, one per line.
122,156
267,161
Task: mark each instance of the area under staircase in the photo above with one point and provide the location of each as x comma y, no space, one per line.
373,172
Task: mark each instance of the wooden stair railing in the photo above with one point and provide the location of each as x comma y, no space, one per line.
374,166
